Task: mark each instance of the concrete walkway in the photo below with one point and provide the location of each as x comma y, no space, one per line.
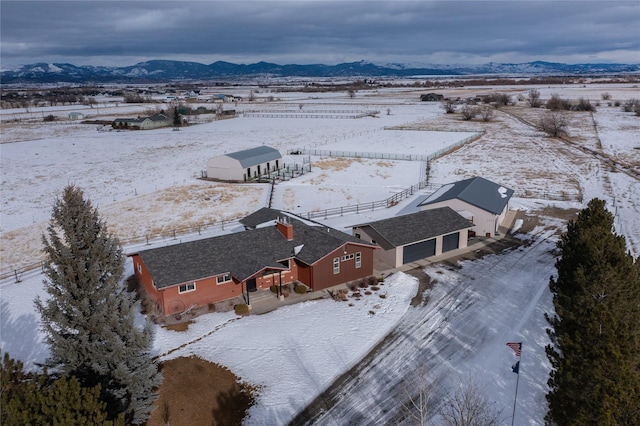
263,301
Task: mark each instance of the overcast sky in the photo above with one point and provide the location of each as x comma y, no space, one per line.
121,33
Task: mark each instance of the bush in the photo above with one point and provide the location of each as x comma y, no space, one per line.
49,117
556,103
300,289
274,289
583,105
362,283
241,309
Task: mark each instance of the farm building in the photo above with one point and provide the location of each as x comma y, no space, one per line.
244,165
483,202
76,115
431,97
142,123
276,249
407,238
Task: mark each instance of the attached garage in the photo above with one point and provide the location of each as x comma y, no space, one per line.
450,242
408,238
418,251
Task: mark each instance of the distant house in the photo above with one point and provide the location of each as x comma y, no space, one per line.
483,202
75,115
142,123
405,239
276,249
244,165
431,97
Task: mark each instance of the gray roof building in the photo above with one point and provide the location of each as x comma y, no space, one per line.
255,156
423,225
245,253
477,191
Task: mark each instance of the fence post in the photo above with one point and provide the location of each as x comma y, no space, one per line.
15,272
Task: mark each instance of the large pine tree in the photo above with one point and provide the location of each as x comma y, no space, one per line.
89,318
595,332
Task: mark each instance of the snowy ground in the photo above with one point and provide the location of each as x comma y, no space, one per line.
146,183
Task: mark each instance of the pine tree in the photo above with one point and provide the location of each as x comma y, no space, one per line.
176,117
37,398
89,318
595,332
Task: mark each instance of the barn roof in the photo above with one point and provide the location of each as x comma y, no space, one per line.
254,156
242,254
410,228
477,191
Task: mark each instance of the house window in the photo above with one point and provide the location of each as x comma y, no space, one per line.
223,279
336,265
357,235
347,257
358,259
184,288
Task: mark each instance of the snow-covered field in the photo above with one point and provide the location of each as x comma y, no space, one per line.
145,183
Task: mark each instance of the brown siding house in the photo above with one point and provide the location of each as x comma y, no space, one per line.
276,248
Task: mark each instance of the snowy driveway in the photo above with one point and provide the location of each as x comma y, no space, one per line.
472,311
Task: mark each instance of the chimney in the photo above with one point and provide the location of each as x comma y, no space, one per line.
285,228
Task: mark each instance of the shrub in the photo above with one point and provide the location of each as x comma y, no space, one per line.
583,105
556,103
372,280
300,289
362,283
274,289
368,293
375,288
241,309
49,117
383,296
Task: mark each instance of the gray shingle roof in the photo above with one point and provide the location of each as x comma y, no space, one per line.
476,191
255,156
423,225
241,254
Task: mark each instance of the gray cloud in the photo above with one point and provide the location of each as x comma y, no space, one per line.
306,31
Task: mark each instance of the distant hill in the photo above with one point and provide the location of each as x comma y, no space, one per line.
165,71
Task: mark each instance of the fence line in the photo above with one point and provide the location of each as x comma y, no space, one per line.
304,115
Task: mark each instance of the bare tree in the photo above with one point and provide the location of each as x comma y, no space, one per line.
469,405
487,113
418,398
448,106
554,124
533,97
469,112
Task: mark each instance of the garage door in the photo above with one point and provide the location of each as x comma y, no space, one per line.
417,251
450,242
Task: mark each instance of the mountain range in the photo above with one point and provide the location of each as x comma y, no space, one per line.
167,70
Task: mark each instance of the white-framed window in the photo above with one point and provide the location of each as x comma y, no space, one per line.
185,288
358,259
347,257
221,279
336,265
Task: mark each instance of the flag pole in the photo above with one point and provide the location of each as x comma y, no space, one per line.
513,416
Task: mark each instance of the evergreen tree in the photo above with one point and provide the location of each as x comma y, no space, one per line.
595,332
89,319
39,399
176,117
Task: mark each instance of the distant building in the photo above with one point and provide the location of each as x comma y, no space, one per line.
142,123
75,115
483,202
431,97
244,165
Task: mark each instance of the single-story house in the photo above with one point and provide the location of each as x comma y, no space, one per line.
431,97
407,238
483,202
142,123
276,248
244,165
76,115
